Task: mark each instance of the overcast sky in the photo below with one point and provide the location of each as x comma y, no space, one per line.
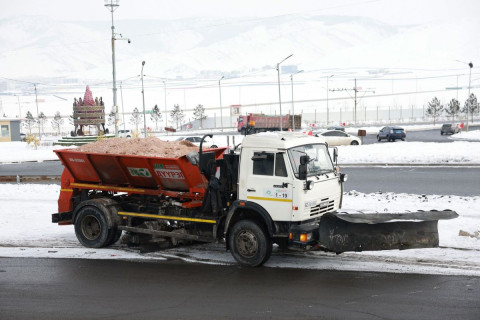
392,11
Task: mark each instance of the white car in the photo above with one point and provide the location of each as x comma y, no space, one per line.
208,143
339,138
124,133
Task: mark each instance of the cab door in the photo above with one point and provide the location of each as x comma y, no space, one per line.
268,183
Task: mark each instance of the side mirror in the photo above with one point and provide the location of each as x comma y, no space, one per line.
304,160
335,155
302,171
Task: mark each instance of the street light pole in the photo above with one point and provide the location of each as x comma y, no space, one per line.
470,64
112,5
166,115
143,98
220,95
38,114
328,110
469,82
279,93
123,110
293,109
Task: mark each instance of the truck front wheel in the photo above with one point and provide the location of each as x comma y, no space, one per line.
91,228
249,244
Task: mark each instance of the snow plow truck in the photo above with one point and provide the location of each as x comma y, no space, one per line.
279,188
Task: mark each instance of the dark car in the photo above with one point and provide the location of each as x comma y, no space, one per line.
449,128
391,134
339,128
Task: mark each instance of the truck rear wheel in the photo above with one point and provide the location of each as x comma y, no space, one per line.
91,228
249,244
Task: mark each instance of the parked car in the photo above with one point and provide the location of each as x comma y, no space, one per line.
391,134
196,141
448,128
339,128
124,133
23,137
339,138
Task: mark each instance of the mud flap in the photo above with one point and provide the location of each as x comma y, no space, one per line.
340,232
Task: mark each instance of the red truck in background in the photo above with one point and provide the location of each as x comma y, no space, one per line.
258,122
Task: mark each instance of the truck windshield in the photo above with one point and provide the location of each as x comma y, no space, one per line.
320,161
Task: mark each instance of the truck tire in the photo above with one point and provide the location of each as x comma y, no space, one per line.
243,131
249,243
91,228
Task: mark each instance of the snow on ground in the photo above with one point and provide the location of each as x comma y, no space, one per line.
27,231
470,135
457,152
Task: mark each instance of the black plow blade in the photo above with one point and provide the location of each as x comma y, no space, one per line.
340,232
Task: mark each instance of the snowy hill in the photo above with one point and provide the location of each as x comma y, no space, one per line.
39,46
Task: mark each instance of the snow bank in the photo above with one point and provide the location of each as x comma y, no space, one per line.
458,152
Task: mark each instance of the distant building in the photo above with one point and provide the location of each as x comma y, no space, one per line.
9,130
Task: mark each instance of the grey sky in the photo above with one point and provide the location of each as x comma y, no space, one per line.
392,11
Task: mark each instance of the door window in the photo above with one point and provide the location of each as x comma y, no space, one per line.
268,163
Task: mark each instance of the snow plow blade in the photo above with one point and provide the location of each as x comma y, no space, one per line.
340,232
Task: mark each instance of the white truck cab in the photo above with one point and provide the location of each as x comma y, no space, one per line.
286,183
269,176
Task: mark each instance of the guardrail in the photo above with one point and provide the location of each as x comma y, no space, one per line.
30,179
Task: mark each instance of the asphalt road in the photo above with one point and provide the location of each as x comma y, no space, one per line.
420,136
461,181
81,289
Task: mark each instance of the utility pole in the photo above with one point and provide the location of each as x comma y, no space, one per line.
355,89
355,99
112,5
293,109
220,94
166,113
328,111
143,99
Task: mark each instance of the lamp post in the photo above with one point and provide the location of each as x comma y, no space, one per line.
469,82
279,93
166,115
123,110
328,110
143,98
220,95
293,109
38,114
470,64
112,5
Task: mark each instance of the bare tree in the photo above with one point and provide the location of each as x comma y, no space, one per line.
42,118
452,109
471,105
156,116
29,122
434,109
135,119
111,118
199,114
177,114
57,122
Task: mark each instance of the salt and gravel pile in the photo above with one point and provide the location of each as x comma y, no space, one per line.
149,147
